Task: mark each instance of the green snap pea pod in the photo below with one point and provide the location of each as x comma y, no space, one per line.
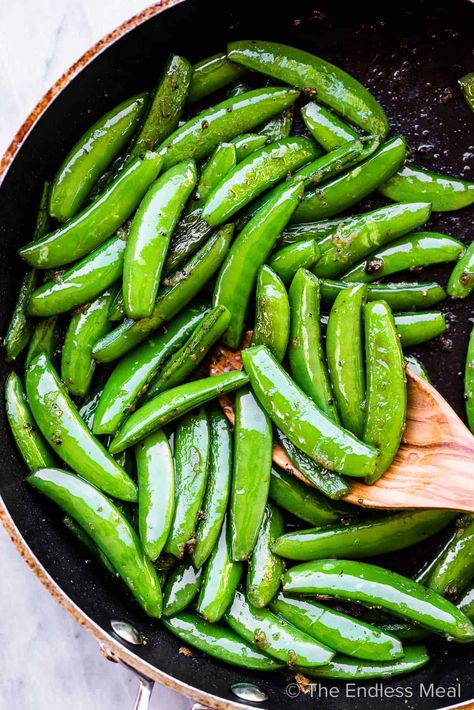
238,89
108,528
347,668
302,501
338,631
289,259
190,233
219,164
399,296
312,230
19,329
89,407
410,252
211,74
182,586
461,281
247,143
249,251
305,353
444,192
265,568
328,482
255,174
85,328
92,155
219,642
253,440
326,127
351,187
165,107
469,382
134,372
279,127
366,538
301,421
150,233
199,136
217,489
386,398
95,223
155,474
275,636
63,428
416,328
44,339
375,586
455,570
82,282
174,403
188,358
345,357
466,83
466,603
333,86
191,453
28,439
272,313
220,580
418,367
355,239
178,290
88,543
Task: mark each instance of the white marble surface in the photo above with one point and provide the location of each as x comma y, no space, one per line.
47,662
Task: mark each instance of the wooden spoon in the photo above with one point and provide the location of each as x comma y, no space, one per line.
434,466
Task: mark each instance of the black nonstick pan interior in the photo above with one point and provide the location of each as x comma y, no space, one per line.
410,54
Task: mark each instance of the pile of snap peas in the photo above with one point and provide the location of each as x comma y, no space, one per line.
175,225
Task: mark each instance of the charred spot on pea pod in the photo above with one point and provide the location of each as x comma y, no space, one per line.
373,266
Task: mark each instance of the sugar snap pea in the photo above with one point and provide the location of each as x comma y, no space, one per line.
289,259
222,160
345,357
85,328
220,642
366,538
306,355
188,358
44,339
29,440
156,491
275,636
191,454
466,83
91,156
351,187
461,281
256,173
410,252
63,428
326,127
386,399
220,580
372,585
341,632
108,528
399,296
211,74
279,127
466,603
265,568
332,85
217,488
251,475
134,372
95,223
150,233
272,313
247,143
182,586
455,569
355,239
469,382
347,668
82,282
191,232
302,501
178,290
199,136
236,278
417,366
416,328
444,192
88,543
312,230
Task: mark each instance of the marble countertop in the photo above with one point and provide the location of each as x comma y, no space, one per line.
65,668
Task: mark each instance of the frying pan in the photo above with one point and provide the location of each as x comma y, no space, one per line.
410,54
